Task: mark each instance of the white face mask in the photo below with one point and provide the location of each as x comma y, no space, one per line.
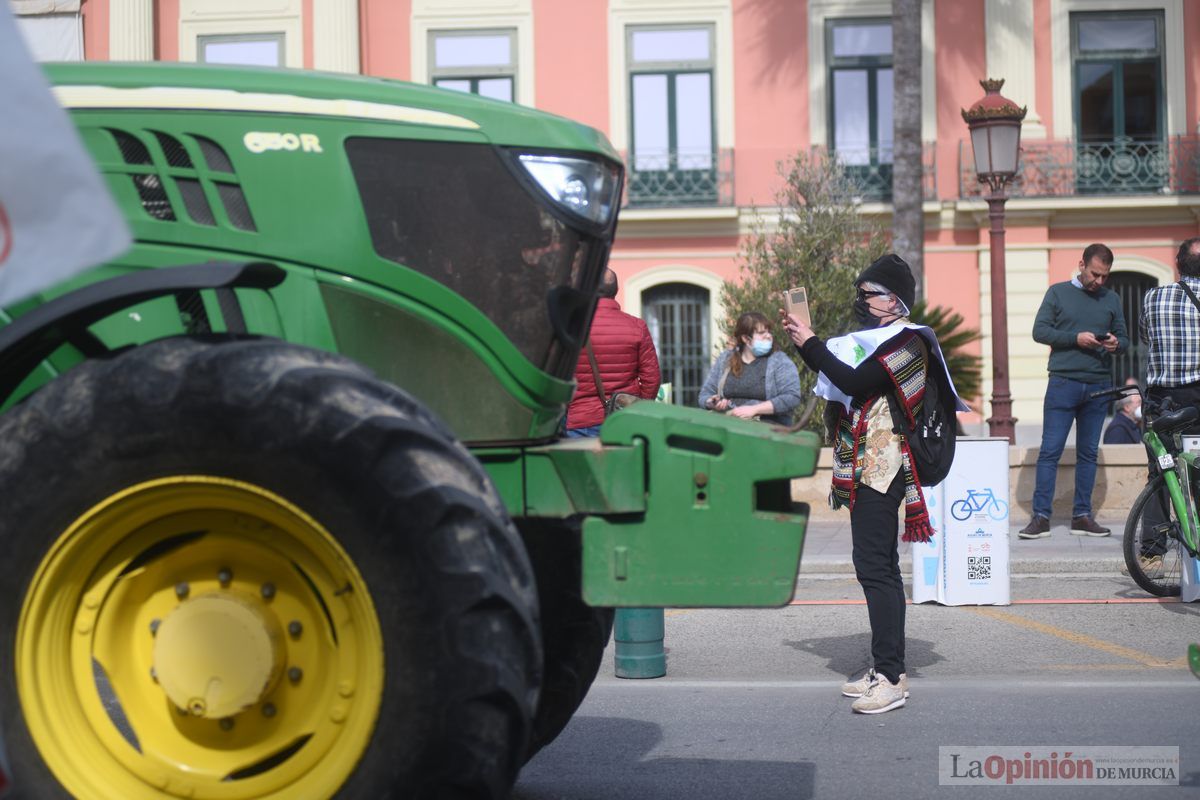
1137,413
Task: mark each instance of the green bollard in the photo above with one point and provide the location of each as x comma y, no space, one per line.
638,633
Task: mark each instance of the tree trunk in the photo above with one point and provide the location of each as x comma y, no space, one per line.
908,221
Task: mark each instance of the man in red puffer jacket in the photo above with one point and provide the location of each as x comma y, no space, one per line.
625,356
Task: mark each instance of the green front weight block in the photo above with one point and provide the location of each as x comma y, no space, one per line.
719,527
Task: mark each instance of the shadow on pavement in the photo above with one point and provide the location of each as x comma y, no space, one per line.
851,655
574,767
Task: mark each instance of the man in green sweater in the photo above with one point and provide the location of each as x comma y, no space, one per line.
1083,324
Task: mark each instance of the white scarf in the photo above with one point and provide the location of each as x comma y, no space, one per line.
853,348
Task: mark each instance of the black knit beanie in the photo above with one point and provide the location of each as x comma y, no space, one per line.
892,272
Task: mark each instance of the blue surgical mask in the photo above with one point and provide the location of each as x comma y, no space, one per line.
760,348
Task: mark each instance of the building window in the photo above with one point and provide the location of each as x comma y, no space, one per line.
1119,101
481,62
677,316
672,126
860,100
253,49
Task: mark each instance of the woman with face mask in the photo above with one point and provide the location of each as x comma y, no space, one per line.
754,379
873,474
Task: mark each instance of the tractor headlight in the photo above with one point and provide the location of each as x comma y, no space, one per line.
582,187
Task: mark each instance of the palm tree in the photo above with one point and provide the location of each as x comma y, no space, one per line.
908,221
965,368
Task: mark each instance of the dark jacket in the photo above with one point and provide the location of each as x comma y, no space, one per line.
626,358
1122,430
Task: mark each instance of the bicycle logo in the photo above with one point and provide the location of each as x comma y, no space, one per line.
978,500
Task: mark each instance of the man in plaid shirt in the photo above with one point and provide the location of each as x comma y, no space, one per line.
1170,327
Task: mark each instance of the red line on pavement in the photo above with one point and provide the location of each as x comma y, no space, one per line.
1043,601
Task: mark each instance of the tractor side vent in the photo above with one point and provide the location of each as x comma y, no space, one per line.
173,151
236,206
154,197
214,156
132,150
197,186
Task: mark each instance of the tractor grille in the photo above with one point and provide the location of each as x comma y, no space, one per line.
175,178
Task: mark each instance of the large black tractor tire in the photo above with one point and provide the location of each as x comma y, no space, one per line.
574,634
288,491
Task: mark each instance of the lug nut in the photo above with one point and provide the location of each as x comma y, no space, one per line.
269,710
182,589
295,629
226,723
268,591
224,576
295,674
154,623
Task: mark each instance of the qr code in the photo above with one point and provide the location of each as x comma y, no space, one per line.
979,568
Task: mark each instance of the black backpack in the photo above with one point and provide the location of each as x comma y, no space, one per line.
932,436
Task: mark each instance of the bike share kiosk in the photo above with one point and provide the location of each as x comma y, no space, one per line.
966,560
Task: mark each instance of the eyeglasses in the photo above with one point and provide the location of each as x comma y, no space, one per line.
863,294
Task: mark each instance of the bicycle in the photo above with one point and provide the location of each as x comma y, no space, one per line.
1162,522
978,501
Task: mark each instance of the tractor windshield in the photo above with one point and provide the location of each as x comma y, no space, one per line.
459,214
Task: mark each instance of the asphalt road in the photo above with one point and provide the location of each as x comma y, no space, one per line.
750,707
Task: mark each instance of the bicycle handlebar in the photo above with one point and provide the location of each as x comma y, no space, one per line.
1119,391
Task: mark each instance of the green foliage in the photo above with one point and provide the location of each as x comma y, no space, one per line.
965,368
821,242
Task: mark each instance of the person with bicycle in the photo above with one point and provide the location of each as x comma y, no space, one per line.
1083,323
1170,329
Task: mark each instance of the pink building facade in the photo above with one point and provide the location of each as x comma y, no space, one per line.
705,97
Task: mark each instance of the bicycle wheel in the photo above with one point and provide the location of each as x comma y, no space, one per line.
1001,509
961,510
1153,554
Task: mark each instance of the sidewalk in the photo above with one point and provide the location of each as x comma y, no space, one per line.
827,550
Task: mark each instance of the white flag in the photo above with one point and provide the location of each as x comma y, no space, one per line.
57,217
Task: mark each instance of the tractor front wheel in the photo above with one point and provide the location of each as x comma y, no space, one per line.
245,569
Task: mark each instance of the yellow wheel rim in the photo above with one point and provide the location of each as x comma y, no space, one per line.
268,678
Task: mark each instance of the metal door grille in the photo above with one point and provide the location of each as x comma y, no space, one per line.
1131,287
677,315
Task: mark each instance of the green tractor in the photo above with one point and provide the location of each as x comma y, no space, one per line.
286,513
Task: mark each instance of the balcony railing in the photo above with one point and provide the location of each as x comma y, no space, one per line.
1058,168
870,171
659,179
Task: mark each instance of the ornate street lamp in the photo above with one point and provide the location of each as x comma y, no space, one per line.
995,124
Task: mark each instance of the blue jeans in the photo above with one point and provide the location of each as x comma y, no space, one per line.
1068,402
583,433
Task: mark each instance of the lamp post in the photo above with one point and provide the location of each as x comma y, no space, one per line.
995,125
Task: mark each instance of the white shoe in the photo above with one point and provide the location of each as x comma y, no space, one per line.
880,696
859,687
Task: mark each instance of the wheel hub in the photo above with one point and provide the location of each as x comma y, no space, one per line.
218,654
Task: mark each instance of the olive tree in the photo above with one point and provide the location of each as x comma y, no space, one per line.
819,241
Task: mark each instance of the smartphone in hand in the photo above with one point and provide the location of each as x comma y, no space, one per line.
795,301
1100,337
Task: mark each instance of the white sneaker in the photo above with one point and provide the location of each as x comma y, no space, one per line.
880,696
859,687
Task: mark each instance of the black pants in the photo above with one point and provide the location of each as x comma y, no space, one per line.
873,524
